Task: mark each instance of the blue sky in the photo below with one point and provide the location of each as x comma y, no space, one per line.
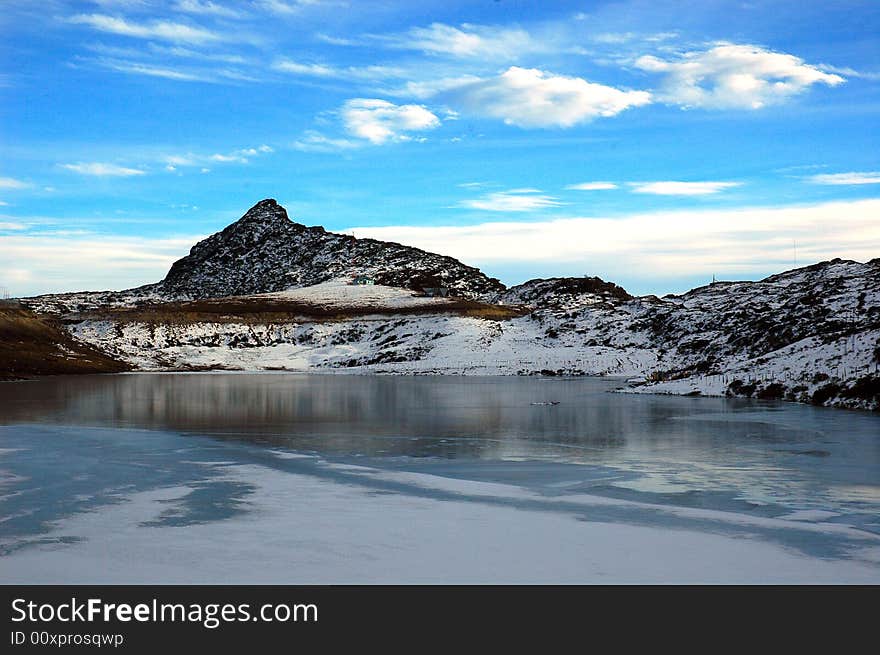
651,143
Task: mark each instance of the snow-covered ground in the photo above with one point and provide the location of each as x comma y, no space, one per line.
423,344
340,293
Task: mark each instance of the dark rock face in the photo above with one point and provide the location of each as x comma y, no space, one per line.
265,251
559,291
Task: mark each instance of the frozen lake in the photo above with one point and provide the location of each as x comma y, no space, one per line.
280,478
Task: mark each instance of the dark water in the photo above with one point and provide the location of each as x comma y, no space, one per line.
88,437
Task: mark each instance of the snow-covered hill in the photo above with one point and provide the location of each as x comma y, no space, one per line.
264,251
811,334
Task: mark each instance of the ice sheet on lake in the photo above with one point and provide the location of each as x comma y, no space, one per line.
311,520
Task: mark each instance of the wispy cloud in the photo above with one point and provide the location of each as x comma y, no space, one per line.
337,40
12,183
313,141
671,188
285,7
731,76
206,7
591,186
380,121
468,41
31,264
189,53
312,69
660,244
11,226
865,177
240,156
137,68
513,200
158,29
99,169
849,72
528,97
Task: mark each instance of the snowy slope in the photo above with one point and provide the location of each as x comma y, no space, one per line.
341,294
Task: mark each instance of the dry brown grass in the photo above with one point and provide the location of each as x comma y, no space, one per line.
264,310
31,344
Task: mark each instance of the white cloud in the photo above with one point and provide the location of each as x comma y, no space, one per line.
189,53
12,183
591,186
153,71
469,41
180,160
731,76
12,226
313,141
160,29
324,70
681,188
313,70
336,40
241,156
865,177
659,244
32,264
124,4
514,200
205,7
380,121
285,6
528,97
429,88
850,72
99,169
229,158
614,38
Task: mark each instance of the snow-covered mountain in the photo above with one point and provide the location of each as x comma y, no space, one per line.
265,251
807,334
810,334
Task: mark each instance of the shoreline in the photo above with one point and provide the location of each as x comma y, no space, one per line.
687,386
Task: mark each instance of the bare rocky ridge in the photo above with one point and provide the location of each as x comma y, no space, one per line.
265,251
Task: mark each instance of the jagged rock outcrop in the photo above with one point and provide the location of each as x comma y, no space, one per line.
564,292
265,251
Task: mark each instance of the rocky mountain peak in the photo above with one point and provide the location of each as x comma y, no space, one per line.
267,209
266,213
265,251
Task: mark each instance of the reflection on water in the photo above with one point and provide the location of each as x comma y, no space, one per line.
691,451
415,416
